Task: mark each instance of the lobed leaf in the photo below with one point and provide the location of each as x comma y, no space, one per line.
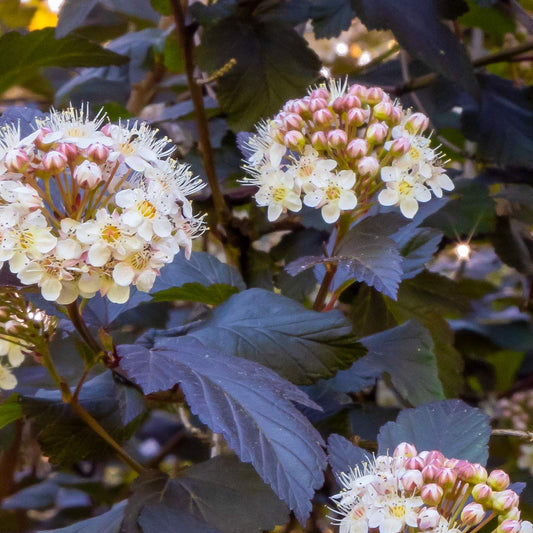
407,354
279,333
343,455
22,55
10,410
219,495
450,426
249,404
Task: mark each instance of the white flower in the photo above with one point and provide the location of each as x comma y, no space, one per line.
74,126
403,190
107,236
395,512
310,166
139,213
12,349
29,240
277,191
137,145
7,380
139,268
264,148
439,181
333,193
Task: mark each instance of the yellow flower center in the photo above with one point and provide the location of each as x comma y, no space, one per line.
139,261
404,188
279,193
414,153
146,209
110,233
397,511
27,240
333,192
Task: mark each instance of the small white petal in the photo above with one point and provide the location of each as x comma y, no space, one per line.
274,211
388,197
347,200
331,213
408,207
123,274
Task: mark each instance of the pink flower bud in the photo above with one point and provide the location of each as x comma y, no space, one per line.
301,107
511,514
472,473
351,101
482,493
54,162
504,501
319,140
417,123
412,480
447,478
106,129
472,514
368,166
376,133
431,494
431,472
317,103
396,116
374,95
509,526
294,140
428,518
289,106
357,148
323,118
435,457
360,91
498,480
320,93
98,153
338,105
337,138
383,110
356,117
88,175
413,463
39,143
70,151
16,160
400,147
293,122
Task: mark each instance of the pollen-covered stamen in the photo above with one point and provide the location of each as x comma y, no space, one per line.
110,233
147,209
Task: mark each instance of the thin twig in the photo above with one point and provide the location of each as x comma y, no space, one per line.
185,38
74,314
427,79
528,435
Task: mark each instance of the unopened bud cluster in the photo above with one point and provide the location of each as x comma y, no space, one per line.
88,206
516,413
426,492
340,146
23,329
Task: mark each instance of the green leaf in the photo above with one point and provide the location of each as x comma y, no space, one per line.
67,439
72,15
300,345
419,250
220,495
108,522
491,20
172,55
162,6
417,28
330,17
265,75
195,292
21,55
203,269
450,426
10,410
407,354
249,404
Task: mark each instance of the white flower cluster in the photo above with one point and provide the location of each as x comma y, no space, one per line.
88,206
336,148
414,492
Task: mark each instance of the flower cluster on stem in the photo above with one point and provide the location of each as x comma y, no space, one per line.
87,206
426,492
23,330
341,147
